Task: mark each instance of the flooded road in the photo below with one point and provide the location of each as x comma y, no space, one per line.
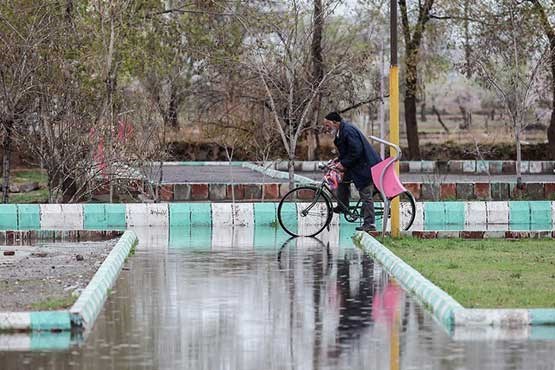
217,302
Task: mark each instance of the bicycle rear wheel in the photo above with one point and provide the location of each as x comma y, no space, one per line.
304,211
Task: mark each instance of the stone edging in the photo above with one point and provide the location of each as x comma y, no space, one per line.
278,174
491,167
454,166
445,309
494,216
440,303
88,305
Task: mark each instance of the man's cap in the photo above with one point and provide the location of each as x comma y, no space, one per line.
334,116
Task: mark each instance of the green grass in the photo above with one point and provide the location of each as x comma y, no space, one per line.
31,175
485,273
50,304
37,196
23,176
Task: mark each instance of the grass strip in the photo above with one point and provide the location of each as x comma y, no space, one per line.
50,304
485,273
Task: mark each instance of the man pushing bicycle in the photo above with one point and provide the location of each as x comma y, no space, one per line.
356,156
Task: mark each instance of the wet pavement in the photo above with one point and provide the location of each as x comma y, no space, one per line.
224,303
457,178
240,175
210,174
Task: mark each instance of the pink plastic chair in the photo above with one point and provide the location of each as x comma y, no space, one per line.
385,178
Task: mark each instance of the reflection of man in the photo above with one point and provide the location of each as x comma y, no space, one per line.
356,156
355,297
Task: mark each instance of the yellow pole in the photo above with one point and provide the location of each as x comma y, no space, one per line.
394,109
394,138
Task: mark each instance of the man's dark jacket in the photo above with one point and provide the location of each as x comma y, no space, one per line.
355,154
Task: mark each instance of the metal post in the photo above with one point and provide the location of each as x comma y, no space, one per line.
394,111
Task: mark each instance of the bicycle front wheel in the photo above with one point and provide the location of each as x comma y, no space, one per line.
305,211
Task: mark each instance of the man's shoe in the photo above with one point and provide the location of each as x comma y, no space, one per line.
366,228
339,209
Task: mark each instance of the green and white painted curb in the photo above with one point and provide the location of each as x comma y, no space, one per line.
35,321
278,174
495,217
445,309
88,305
90,302
442,305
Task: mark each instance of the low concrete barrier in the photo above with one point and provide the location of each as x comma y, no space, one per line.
430,216
445,309
88,305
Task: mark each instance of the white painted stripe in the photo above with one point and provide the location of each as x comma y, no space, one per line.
73,216
415,166
243,214
243,237
15,342
222,214
222,238
497,212
492,317
136,214
489,333
15,320
152,237
158,214
61,216
419,218
474,214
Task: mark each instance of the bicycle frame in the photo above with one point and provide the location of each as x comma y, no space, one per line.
325,190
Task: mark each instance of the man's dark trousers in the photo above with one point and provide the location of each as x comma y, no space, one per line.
344,194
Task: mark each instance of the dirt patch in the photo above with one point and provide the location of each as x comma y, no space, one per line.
48,276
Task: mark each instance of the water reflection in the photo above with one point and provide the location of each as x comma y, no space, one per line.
277,304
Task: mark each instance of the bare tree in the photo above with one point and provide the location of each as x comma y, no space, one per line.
413,35
512,69
24,29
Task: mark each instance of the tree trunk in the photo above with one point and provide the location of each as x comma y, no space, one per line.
412,127
412,47
518,158
317,74
291,170
6,161
172,109
411,123
551,128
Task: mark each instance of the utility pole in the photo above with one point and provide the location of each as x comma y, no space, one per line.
394,109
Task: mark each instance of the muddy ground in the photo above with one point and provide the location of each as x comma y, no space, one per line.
48,276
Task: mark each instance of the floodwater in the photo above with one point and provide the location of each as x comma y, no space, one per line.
216,302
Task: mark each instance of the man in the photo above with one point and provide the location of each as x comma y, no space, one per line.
356,156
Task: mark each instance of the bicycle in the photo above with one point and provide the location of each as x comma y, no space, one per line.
313,203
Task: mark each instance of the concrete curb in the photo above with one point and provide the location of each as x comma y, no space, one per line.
445,309
278,174
88,305
478,219
492,167
442,305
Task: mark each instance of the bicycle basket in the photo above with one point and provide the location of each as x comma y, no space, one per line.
332,178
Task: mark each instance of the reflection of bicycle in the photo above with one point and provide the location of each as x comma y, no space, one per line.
313,203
